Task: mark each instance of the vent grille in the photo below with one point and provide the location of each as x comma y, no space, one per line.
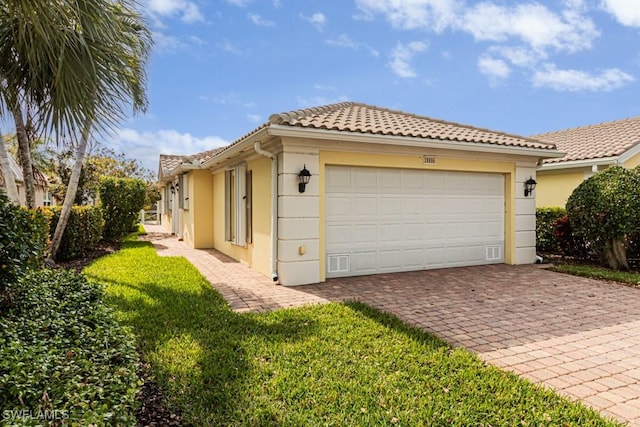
494,253
338,263
429,160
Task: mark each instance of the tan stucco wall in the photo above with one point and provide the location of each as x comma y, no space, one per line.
555,187
197,226
257,254
632,162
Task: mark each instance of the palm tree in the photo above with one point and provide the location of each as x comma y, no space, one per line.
7,174
79,63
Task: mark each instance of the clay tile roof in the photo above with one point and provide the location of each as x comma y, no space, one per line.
368,119
595,141
168,162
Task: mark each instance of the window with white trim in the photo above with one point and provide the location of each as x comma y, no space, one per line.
46,198
236,205
183,192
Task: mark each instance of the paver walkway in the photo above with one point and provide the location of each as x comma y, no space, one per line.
577,335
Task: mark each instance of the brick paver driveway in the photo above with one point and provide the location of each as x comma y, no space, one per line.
579,336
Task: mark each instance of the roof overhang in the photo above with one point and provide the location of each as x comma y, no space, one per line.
406,141
602,161
181,168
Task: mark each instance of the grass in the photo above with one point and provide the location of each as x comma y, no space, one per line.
600,273
335,364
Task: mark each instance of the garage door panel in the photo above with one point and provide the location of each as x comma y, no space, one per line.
365,234
385,220
389,232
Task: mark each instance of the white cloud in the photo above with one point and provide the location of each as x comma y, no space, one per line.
494,68
579,81
520,56
187,11
412,14
626,12
316,101
255,118
402,55
318,20
165,43
343,40
228,46
147,146
532,23
261,22
239,3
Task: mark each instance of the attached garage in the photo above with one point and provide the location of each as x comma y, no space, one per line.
381,220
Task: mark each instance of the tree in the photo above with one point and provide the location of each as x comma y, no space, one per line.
603,210
78,62
7,174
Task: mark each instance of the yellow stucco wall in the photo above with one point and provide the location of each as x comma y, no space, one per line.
632,162
416,162
257,254
555,187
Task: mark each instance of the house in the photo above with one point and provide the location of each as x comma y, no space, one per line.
387,191
43,196
588,149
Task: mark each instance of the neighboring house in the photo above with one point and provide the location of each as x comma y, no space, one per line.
388,191
43,196
588,149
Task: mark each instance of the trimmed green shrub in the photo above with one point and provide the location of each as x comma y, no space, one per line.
122,199
62,351
545,230
23,240
83,232
603,211
568,243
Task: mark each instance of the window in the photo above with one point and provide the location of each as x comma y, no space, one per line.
183,192
237,206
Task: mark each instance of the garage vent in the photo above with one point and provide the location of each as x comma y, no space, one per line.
494,253
338,263
429,160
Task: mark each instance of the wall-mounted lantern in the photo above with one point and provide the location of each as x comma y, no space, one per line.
303,179
173,189
529,186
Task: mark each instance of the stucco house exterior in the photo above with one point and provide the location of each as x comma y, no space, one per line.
43,196
388,191
587,150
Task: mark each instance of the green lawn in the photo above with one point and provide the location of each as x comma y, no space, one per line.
336,364
600,273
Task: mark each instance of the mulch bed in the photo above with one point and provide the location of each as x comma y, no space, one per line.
152,411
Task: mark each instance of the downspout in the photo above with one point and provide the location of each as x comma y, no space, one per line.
274,207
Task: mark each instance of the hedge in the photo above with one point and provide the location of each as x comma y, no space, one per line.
63,355
545,228
23,241
121,200
83,232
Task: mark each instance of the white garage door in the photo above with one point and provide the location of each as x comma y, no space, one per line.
387,220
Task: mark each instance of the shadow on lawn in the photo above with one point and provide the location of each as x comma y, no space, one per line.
197,345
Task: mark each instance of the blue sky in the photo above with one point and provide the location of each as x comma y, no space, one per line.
220,68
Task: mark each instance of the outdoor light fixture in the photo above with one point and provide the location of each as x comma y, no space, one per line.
529,186
173,189
303,178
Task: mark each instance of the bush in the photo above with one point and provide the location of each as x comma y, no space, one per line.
83,232
545,230
603,211
62,351
568,243
23,240
122,199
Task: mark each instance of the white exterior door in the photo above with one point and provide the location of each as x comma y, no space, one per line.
382,220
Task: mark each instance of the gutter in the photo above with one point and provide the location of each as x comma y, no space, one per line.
580,163
274,207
